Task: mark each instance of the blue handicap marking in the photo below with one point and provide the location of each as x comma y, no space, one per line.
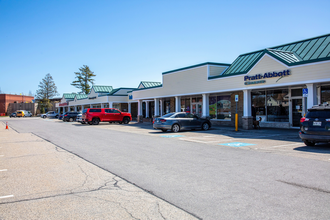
237,144
171,136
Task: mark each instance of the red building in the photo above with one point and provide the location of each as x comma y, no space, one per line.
5,99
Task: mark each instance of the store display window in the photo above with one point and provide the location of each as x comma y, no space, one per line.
220,107
325,94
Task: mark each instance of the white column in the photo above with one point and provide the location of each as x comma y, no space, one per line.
75,108
247,103
312,96
82,108
91,105
147,109
177,104
129,108
161,107
156,107
205,105
102,106
110,104
139,107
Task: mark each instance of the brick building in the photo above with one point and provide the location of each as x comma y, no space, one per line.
6,99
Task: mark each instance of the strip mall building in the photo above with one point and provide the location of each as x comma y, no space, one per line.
280,83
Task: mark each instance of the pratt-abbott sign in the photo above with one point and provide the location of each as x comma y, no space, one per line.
251,79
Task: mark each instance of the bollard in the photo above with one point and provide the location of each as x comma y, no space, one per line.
6,125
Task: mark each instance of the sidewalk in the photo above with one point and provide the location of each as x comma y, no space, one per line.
39,180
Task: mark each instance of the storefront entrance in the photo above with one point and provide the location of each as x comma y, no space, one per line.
196,108
297,111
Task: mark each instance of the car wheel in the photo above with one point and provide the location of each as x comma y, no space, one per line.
126,120
309,143
205,126
44,116
176,128
70,119
95,121
164,130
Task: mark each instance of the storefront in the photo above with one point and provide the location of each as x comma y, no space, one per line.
275,85
99,97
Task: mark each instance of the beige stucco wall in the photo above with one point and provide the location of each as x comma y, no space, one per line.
195,81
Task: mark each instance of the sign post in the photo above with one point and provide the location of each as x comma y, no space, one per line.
236,115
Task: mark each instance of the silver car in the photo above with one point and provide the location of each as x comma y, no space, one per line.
177,121
79,117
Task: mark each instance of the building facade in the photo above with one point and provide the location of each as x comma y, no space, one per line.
6,99
279,84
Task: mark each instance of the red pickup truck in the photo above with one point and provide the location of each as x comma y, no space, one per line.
94,116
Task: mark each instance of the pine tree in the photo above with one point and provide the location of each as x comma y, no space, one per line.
47,90
84,79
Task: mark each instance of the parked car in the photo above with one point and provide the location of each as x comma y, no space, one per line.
20,113
70,116
96,115
50,114
27,114
177,121
13,115
79,117
316,126
60,116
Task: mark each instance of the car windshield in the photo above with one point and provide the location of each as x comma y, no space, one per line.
318,114
168,115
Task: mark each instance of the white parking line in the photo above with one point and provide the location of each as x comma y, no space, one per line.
4,197
2,155
284,145
3,170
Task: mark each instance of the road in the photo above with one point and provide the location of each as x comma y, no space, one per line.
272,175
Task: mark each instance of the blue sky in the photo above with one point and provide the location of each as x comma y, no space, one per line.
125,42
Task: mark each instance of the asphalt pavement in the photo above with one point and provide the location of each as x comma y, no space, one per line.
215,174
39,180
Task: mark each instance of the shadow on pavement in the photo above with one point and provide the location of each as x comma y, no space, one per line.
322,148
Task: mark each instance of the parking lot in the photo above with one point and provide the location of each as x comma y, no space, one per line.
279,141
214,174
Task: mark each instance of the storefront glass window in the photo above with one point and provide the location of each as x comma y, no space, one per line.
258,99
185,105
325,94
223,107
277,105
213,106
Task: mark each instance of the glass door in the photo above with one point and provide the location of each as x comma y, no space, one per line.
196,108
297,111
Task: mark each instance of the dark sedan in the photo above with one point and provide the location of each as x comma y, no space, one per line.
13,115
178,121
70,116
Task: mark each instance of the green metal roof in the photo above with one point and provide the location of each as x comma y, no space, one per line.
102,89
149,84
306,51
116,90
198,65
69,95
81,96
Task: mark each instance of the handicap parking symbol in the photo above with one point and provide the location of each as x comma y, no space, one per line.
236,144
171,136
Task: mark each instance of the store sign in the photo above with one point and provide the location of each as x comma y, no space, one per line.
130,97
260,78
62,104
